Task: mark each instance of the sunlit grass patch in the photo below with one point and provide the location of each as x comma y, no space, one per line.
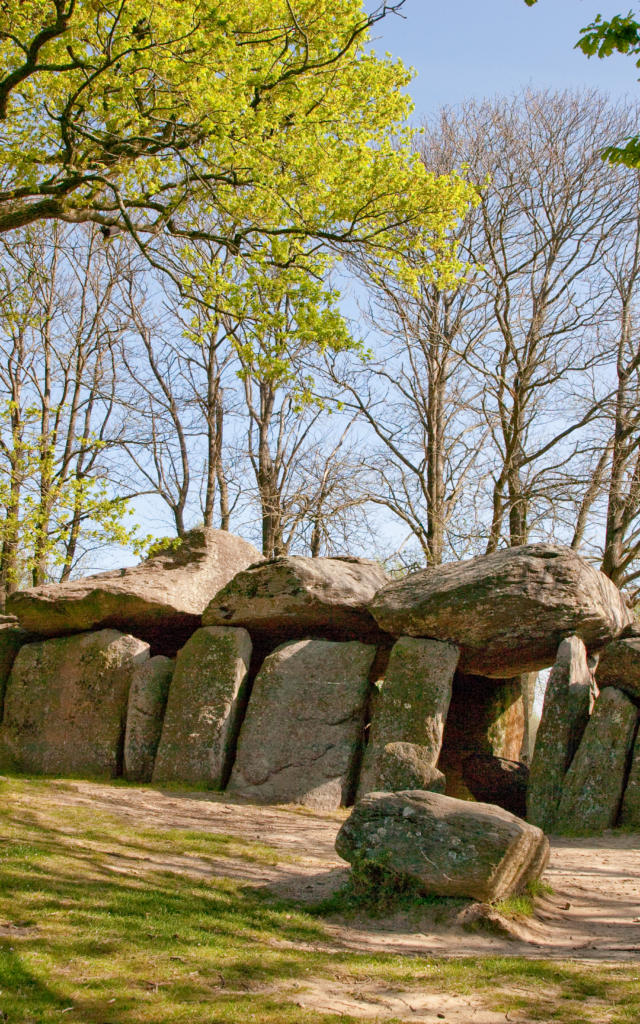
82,943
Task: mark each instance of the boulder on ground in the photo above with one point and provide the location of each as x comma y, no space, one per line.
619,666
449,847
595,782
411,709
206,700
568,702
486,716
507,611
497,780
12,638
66,702
160,600
630,812
145,713
292,596
302,735
402,766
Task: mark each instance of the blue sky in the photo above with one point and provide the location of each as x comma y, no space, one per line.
477,48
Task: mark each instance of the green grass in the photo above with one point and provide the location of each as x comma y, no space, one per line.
377,890
524,904
91,934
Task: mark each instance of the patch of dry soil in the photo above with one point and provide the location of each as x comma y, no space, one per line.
593,914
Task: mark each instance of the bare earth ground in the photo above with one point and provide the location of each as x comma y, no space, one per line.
593,914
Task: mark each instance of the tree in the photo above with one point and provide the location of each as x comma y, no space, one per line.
602,38
258,126
490,400
550,213
283,322
417,397
59,424
609,515
178,361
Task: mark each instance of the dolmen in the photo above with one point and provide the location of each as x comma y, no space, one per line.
320,680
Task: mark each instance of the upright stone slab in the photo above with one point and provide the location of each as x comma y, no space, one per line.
302,734
594,784
630,812
145,714
485,716
448,847
619,666
567,705
12,638
411,709
66,703
206,699
528,681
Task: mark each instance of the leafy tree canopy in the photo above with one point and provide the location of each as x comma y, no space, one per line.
271,115
602,38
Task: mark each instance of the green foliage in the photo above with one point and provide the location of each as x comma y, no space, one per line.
160,545
620,34
260,126
602,38
53,503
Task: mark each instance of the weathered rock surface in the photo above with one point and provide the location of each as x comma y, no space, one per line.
160,600
528,681
567,705
411,708
145,713
12,638
450,847
302,734
403,766
66,702
206,700
486,716
496,780
630,812
619,666
507,611
294,596
594,784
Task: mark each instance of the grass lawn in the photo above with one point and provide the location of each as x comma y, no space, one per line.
93,929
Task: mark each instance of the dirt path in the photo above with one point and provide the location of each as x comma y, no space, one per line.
594,912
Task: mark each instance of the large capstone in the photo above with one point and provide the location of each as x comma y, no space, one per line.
595,781
145,714
568,703
302,736
411,709
66,703
161,600
630,813
294,596
507,611
206,700
448,847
